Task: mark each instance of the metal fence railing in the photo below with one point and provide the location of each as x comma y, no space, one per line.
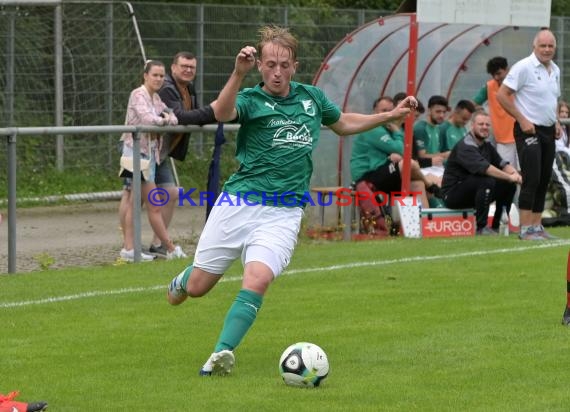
85,57
12,137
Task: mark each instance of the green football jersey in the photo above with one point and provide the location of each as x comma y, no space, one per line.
426,136
372,149
449,135
481,96
275,144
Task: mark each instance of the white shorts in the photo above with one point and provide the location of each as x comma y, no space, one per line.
266,234
509,153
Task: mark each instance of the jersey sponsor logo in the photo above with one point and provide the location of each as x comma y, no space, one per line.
293,136
280,122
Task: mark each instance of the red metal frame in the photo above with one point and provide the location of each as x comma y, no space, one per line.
412,85
441,49
463,66
406,51
411,91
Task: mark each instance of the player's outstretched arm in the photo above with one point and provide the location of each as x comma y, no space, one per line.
224,109
352,123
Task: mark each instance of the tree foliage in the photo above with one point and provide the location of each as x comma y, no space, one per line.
560,8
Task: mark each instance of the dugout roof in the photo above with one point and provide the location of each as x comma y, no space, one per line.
373,61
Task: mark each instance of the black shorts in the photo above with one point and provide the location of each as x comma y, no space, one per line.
386,178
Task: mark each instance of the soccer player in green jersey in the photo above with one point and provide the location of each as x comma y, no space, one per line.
454,128
258,215
426,134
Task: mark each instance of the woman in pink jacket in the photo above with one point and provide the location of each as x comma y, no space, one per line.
145,108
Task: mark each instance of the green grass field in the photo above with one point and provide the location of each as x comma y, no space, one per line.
469,324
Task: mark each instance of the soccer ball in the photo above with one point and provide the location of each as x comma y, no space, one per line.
303,365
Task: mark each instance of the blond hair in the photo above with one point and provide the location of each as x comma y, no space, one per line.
278,35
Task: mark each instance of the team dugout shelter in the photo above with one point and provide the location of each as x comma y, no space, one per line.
372,61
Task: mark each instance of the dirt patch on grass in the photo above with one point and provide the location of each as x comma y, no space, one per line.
84,234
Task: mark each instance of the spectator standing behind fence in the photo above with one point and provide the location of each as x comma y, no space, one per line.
475,175
280,122
535,83
563,142
179,94
145,108
557,203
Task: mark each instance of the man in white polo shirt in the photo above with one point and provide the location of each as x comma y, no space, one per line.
535,83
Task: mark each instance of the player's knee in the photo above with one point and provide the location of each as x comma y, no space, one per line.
258,280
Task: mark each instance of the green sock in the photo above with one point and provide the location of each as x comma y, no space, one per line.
239,319
181,280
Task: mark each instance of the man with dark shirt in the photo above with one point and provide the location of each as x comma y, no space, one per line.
179,94
475,175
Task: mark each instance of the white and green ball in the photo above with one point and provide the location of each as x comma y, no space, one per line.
303,365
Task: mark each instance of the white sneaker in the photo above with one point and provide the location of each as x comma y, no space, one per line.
219,363
129,256
177,253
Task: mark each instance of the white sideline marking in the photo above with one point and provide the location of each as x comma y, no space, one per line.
122,291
